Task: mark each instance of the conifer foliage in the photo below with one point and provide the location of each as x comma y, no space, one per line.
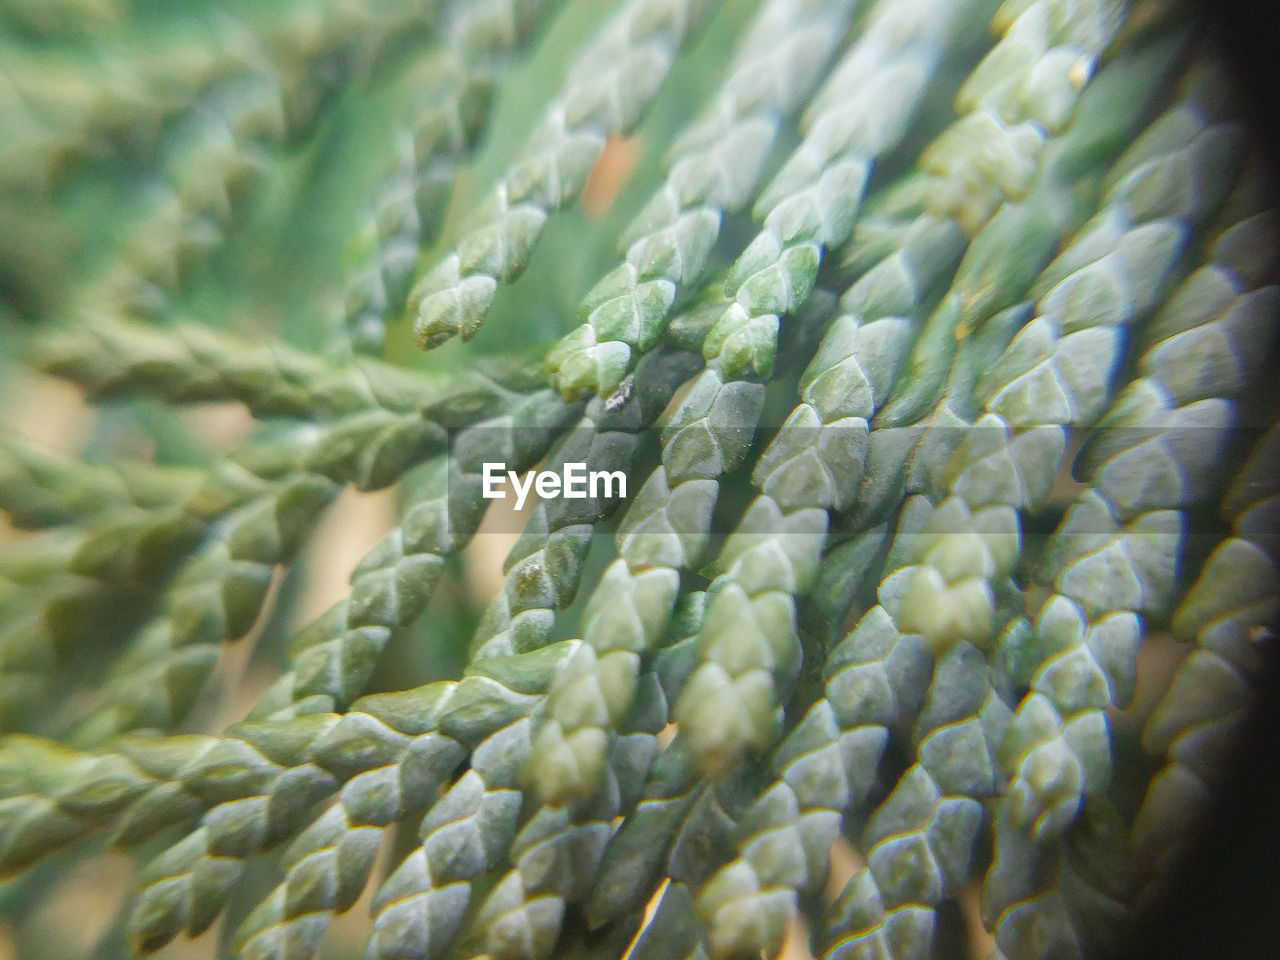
930,335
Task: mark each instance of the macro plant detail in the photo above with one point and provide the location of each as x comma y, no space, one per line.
931,336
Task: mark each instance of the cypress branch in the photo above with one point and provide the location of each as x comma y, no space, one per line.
1064,245
607,90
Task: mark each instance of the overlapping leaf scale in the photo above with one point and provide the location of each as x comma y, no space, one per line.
545,566
1114,560
776,917
130,521
558,851
917,429
544,569
390,587
41,488
785,834
1021,202
55,796
665,528
672,932
947,612
219,593
388,755
749,648
216,595
921,840
534,907
1227,613
419,909
1023,92
1228,610
256,786
608,88
34,584
663,531
137,522
334,656
968,359
679,816
392,425
948,601
466,833
682,828
746,912
875,684
461,76
338,652
715,167
189,362
736,668
1014,472
1044,376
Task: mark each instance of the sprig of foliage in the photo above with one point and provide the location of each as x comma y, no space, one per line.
896,290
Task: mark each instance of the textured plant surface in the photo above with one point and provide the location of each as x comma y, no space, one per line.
929,334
